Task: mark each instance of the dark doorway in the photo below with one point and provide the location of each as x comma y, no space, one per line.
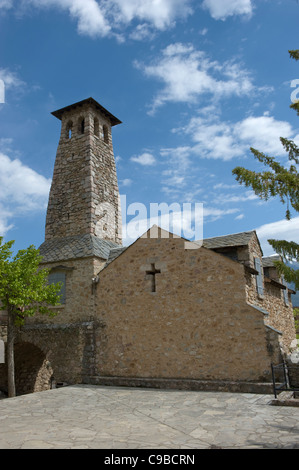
33,371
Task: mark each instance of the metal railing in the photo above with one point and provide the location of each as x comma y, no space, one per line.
281,378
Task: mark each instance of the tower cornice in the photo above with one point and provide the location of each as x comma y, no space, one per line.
59,113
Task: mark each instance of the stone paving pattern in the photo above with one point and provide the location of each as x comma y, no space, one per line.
93,417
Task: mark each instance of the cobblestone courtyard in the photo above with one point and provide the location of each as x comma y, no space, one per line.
92,417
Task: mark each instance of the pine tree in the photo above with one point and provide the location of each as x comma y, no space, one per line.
284,183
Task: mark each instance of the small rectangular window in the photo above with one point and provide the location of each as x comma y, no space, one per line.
105,134
69,130
259,277
54,278
2,91
96,127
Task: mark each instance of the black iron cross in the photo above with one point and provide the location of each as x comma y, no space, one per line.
153,273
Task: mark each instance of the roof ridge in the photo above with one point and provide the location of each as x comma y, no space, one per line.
231,234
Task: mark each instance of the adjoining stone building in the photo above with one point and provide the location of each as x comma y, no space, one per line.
151,314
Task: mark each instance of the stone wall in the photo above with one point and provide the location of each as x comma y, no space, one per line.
280,316
47,354
3,317
84,195
293,372
80,294
68,347
3,332
197,325
62,346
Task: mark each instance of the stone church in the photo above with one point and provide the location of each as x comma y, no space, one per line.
152,314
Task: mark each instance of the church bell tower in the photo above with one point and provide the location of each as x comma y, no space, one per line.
84,196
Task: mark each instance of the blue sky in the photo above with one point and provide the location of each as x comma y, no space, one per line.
195,83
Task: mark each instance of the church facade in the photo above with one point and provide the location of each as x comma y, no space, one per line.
154,313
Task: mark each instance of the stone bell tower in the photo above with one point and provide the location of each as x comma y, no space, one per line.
84,196
83,226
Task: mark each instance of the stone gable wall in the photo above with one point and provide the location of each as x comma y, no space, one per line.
196,325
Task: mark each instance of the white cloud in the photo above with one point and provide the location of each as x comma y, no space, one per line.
5,144
91,20
215,139
145,159
221,9
141,32
21,184
203,32
89,14
126,182
281,230
10,79
159,13
100,18
224,186
187,74
176,177
22,191
109,17
264,132
5,216
6,4
228,198
209,137
213,213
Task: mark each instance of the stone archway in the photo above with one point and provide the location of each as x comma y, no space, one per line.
33,371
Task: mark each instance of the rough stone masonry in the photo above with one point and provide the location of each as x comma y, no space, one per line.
151,314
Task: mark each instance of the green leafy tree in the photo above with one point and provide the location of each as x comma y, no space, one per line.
282,182
24,291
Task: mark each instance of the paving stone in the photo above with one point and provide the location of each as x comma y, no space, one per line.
98,417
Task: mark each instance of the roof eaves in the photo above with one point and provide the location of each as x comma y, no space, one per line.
59,112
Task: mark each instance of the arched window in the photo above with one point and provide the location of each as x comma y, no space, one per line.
96,126
69,129
81,125
105,132
54,278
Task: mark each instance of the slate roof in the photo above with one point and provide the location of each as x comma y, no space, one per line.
235,239
114,253
83,246
268,261
114,120
79,246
